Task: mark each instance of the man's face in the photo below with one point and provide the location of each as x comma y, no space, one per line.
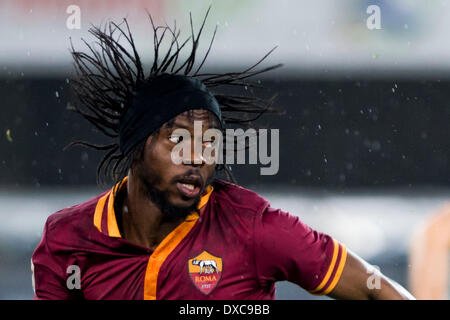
170,185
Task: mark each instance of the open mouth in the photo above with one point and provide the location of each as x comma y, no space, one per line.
190,186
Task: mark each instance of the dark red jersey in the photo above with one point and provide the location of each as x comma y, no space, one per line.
237,247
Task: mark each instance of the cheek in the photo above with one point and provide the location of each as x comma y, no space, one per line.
209,170
158,160
158,153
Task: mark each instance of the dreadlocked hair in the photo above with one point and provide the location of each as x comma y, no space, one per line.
107,76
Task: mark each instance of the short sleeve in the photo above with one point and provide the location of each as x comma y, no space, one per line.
288,249
48,280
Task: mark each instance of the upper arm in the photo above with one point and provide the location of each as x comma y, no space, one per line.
356,278
47,274
287,249
360,280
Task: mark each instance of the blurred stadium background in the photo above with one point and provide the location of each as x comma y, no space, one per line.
364,148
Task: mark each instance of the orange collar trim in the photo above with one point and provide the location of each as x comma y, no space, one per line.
165,248
107,212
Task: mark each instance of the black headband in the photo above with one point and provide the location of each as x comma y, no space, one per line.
159,100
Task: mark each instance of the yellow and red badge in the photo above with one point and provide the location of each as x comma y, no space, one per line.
205,271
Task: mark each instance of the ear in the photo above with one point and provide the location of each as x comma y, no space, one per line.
139,155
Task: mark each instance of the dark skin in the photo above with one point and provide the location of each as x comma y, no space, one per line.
353,283
147,225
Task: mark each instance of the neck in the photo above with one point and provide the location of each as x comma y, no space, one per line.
143,222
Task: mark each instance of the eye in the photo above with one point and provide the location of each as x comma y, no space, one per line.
208,143
176,139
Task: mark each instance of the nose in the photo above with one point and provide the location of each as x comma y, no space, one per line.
197,158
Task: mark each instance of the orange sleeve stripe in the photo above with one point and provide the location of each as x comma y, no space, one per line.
330,268
99,211
340,268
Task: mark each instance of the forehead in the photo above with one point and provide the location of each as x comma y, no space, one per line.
187,118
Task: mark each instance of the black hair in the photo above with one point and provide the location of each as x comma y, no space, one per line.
109,73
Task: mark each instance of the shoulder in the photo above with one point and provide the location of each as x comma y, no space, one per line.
64,223
247,200
239,197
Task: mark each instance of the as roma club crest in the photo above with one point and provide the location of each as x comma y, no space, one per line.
205,271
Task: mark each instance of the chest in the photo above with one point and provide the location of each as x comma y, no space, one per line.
215,260
211,265
105,277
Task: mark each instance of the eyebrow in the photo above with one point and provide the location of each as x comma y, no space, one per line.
176,124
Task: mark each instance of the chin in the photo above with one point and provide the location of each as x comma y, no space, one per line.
180,208
184,203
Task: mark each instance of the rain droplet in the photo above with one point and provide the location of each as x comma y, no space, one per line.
8,135
376,146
